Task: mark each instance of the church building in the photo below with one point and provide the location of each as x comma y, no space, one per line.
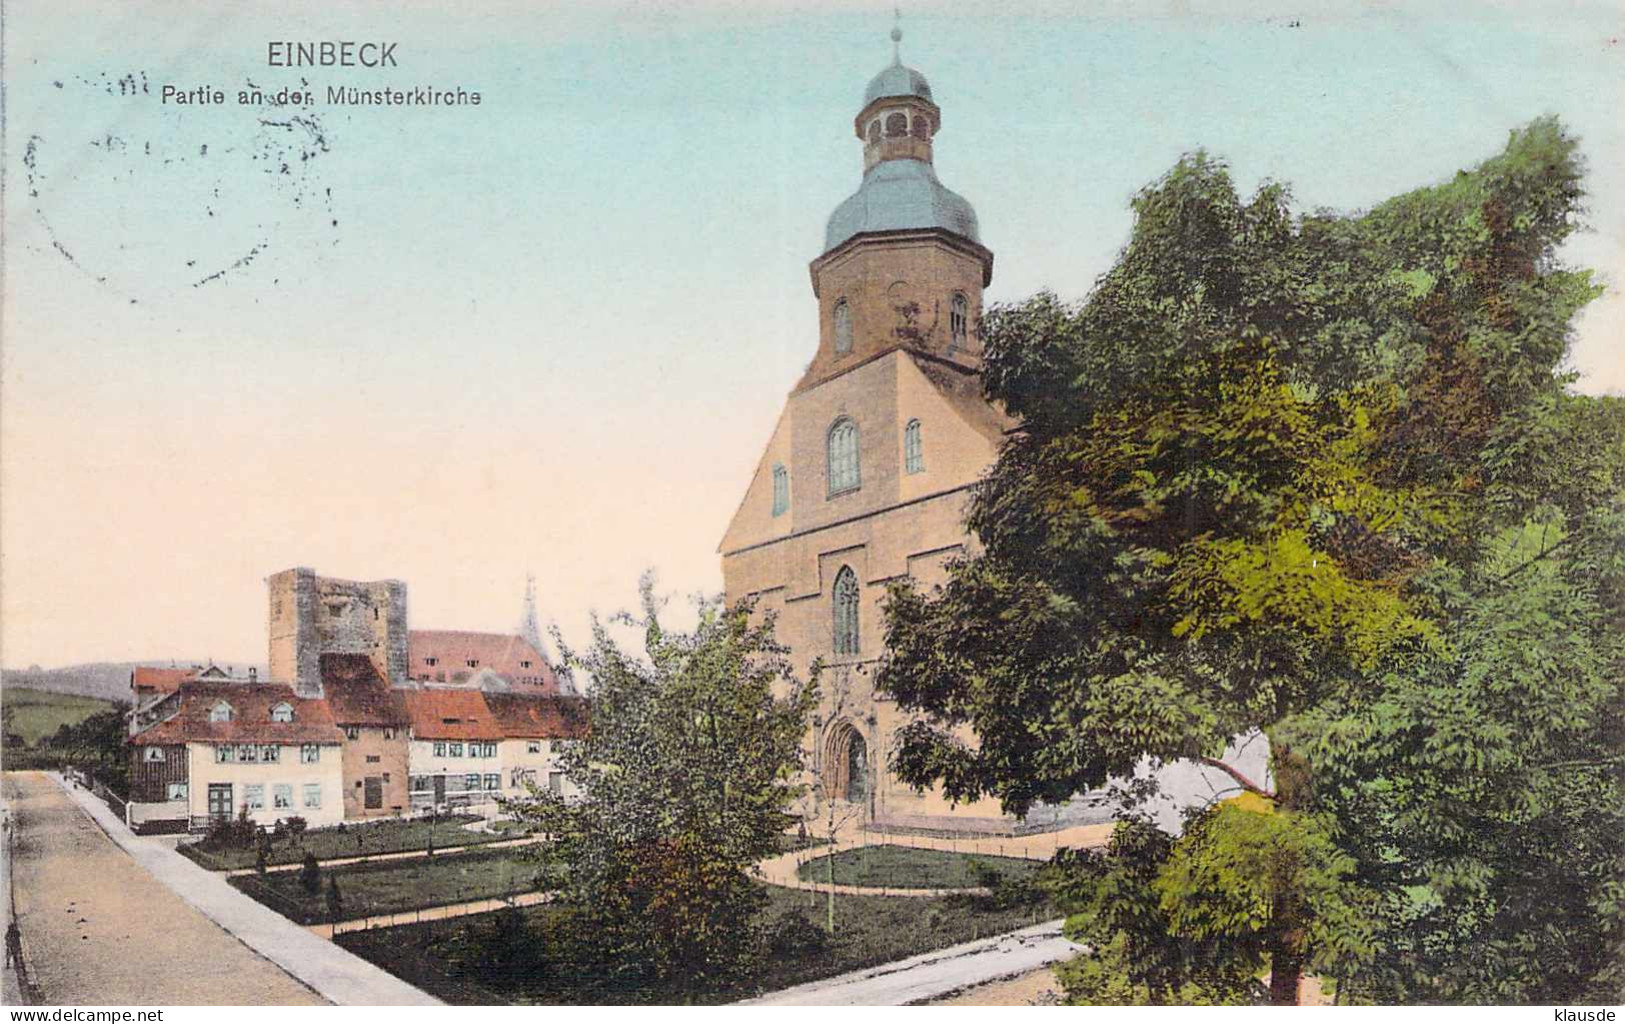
868,473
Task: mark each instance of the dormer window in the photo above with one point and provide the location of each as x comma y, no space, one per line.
958,320
843,327
781,490
221,712
282,712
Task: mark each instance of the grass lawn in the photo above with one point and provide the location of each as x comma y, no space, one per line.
389,887
457,961
907,867
390,835
36,714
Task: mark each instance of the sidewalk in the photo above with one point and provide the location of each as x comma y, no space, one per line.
335,974
933,974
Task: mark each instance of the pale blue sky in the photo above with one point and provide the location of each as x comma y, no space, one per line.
553,331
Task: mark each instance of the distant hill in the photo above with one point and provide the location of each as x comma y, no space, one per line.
36,714
104,680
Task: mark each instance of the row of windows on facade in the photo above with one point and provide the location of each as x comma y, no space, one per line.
475,781
251,753
432,661
454,748
844,471
896,124
958,323
254,795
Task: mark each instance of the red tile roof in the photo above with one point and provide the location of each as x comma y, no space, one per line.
159,680
528,716
450,715
251,705
502,653
357,694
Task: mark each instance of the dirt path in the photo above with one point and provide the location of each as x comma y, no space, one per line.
99,929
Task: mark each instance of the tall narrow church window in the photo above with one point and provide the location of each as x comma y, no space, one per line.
843,327
846,611
843,457
913,451
781,490
958,320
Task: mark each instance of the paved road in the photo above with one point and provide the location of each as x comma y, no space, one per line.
335,974
933,974
99,929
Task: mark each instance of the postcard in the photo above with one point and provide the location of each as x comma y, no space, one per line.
1002,504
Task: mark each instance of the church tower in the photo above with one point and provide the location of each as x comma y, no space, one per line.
867,476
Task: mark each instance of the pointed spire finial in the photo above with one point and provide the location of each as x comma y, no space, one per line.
897,36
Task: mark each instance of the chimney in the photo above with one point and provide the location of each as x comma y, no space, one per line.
253,674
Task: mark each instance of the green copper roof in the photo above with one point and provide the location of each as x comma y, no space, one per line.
897,80
898,195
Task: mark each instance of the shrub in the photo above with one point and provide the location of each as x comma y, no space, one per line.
296,829
792,932
310,875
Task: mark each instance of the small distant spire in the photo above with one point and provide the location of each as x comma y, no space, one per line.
897,37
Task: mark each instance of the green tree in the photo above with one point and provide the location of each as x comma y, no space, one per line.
690,762
1277,473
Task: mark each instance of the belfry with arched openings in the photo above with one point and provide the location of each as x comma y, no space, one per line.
866,476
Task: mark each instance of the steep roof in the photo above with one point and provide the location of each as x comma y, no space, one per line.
251,705
503,653
527,716
450,715
159,680
357,694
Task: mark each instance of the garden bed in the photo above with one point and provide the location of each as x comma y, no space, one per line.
505,956
389,835
908,867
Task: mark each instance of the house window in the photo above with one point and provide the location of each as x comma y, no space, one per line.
471,780
490,750
176,791
781,490
454,750
389,734
958,320
439,750
533,747
555,783
270,754
431,662
221,712
524,664
225,753
254,796
913,451
352,732
282,796
282,712
310,753
493,782
843,327
846,611
155,753
843,457
313,795
248,753
421,784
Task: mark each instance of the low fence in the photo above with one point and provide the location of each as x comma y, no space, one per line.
88,780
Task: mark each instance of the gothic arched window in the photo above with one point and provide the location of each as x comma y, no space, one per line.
843,457
896,125
913,450
846,611
282,712
781,490
843,327
958,320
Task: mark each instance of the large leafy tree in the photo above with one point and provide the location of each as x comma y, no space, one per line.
689,764
1323,476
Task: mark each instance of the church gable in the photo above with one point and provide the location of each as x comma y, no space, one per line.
754,521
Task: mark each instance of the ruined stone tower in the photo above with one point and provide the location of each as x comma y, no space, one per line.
313,615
